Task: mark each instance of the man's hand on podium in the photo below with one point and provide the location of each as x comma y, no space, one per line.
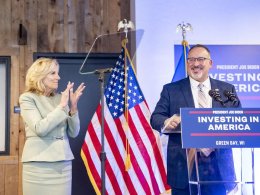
171,123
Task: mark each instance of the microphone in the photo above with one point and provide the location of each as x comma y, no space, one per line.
216,96
231,96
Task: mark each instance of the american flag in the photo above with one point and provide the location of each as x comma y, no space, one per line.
127,132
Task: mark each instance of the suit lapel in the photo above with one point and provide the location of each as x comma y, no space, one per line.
187,94
214,85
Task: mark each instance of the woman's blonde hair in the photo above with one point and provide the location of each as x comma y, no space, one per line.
36,74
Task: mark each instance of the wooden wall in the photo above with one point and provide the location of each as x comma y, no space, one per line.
28,26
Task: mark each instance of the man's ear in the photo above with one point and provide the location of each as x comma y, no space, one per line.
211,63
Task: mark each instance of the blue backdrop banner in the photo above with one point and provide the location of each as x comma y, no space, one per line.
238,65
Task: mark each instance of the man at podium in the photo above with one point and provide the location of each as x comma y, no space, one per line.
193,91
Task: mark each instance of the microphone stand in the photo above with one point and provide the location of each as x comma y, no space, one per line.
231,97
101,73
222,103
216,96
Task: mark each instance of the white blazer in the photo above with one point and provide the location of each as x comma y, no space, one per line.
47,127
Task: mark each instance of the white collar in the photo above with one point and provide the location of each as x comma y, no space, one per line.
194,83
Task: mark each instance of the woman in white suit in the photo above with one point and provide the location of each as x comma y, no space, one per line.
49,119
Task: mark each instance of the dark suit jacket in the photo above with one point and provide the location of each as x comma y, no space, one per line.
173,97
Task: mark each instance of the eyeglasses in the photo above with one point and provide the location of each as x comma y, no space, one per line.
199,59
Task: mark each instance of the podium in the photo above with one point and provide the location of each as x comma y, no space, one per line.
220,149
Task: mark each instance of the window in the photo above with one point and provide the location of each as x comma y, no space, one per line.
4,104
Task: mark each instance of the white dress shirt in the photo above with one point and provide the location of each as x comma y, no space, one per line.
194,89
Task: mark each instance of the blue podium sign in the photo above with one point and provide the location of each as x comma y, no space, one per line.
220,127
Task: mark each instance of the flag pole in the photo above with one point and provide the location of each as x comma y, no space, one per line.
185,44
184,27
126,25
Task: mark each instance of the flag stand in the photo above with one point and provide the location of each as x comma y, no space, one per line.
101,78
86,70
101,73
